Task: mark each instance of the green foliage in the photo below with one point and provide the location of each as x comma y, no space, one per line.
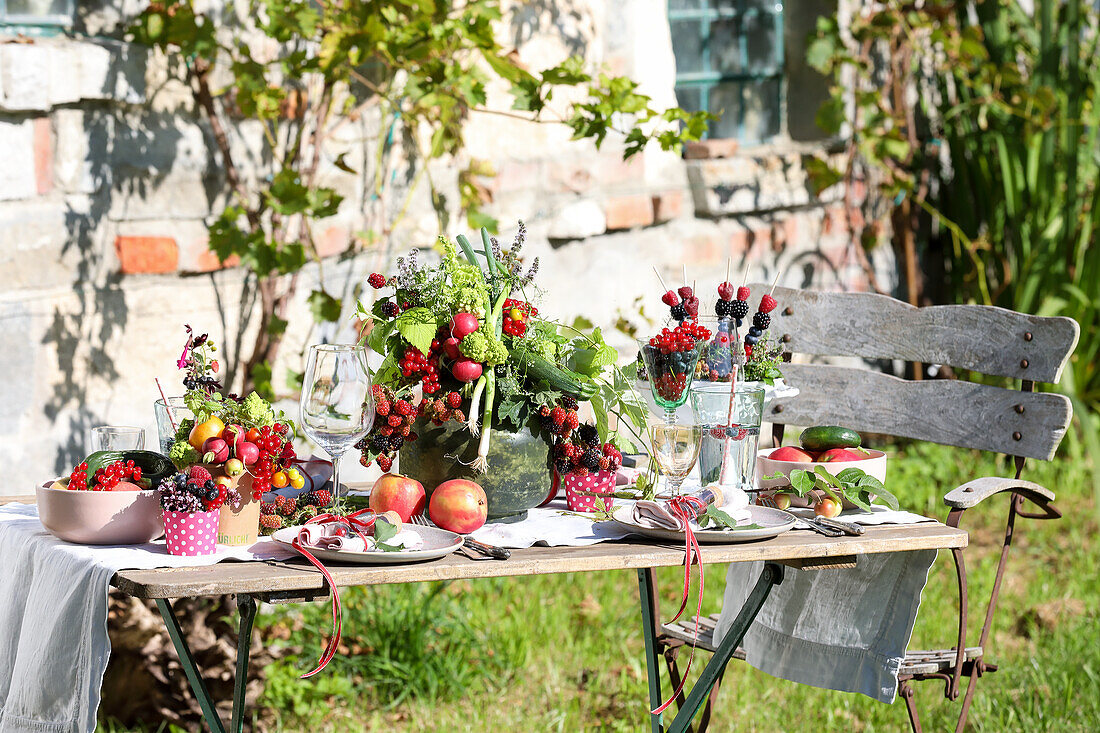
302,68
1009,98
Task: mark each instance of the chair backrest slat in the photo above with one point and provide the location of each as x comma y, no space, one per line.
951,412
985,339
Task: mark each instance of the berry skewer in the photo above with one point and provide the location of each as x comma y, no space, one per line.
761,320
670,298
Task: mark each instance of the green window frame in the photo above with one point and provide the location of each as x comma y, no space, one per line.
36,17
729,61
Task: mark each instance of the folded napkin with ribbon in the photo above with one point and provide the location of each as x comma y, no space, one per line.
664,515
343,536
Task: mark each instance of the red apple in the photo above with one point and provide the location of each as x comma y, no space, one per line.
841,454
827,507
458,505
790,453
396,493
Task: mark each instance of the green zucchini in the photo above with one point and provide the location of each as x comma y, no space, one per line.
826,437
154,466
555,377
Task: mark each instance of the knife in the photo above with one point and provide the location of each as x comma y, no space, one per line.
497,553
820,528
849,528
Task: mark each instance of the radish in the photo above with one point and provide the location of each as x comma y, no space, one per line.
215,450
450,348
466,370
463,324
249,453
234,435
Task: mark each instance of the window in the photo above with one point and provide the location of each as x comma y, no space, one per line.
37,15
729,62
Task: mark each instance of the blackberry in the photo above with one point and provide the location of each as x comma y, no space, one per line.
739,309
723,308
679,312
588,435
591,459
561,465
396,441
389,309
762,321
569,402
547,424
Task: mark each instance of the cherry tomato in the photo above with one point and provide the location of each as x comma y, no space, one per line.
517,314
279,480
252,435
296,479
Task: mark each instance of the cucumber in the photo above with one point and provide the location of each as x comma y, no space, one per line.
826,437
154,466
555,377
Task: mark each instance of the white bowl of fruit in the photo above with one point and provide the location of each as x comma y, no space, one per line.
830,447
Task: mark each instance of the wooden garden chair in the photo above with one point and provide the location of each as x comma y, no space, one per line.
1019,423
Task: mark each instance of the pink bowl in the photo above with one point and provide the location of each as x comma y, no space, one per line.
99,517
579,491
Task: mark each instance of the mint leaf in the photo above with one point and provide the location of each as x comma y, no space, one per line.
383,531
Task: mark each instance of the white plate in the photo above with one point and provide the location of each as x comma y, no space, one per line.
437,543
772,523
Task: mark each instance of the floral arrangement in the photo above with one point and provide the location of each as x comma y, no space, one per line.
196,490
463,341
237,435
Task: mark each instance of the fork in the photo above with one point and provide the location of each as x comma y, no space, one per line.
497,553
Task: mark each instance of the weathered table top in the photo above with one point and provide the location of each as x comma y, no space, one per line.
297,580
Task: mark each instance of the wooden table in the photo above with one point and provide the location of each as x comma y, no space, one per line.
295,581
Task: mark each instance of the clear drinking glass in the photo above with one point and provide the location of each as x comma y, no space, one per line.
337,407
731,432
670,375
675,448
169,416
116,437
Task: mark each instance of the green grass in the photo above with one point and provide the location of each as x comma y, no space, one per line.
565,652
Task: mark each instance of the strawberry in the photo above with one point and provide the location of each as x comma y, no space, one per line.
685,291
725,291
670,299
743,293
767,304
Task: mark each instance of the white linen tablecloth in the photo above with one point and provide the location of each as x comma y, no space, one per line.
53,618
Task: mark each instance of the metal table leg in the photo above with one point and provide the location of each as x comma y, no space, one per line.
647,592
246,604
770,576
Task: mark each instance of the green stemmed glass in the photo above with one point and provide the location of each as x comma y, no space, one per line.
670,374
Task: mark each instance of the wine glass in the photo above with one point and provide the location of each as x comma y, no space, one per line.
337,407
675,447
670,374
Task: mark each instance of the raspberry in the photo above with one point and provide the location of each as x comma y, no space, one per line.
404,408
377,280
382,407
685,291
285,505
725,291
199,475
557,415
378,392
454,400
670,299
767,304
458,415
571,421
743,293
389,309
271,521
385,463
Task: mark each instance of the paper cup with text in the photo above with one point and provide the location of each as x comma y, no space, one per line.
240,525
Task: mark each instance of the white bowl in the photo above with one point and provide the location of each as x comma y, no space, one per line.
99,517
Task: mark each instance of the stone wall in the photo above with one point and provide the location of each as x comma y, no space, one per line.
109,182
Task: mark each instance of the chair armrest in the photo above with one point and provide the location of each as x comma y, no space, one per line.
973,492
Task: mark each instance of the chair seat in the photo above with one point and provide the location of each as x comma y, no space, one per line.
915,662
937,660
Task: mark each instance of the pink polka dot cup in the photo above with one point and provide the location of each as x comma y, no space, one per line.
581,492
191,534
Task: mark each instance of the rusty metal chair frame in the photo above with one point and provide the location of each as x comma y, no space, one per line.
958,501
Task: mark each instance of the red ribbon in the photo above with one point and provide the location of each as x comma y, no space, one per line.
687,508
361,527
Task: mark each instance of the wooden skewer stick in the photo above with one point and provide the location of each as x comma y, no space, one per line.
727,269
685,274
777,273
661,279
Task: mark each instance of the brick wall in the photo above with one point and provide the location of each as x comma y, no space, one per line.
109,182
